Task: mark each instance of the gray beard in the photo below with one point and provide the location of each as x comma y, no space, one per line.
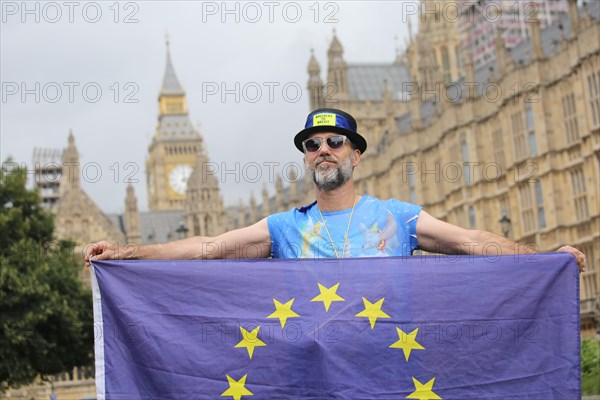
332,177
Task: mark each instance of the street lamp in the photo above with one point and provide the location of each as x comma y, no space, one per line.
505,222
182,230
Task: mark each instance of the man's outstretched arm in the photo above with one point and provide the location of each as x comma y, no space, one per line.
251,242
437,236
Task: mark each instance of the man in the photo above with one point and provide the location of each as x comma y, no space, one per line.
340,223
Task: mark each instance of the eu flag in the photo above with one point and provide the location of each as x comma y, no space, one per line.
422,327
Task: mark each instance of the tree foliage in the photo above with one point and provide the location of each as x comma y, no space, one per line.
590,367
46,321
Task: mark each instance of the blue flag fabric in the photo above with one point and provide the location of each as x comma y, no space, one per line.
422,327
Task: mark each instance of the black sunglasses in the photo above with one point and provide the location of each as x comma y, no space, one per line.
314,144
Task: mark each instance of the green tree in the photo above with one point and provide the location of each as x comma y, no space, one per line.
46,321
590,367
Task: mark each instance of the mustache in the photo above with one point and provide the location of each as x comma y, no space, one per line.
324,158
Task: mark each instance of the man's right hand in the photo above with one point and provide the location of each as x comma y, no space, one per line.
103,251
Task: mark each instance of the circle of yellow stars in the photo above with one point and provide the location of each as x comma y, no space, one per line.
407,342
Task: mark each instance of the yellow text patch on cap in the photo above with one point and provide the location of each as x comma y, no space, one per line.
324,119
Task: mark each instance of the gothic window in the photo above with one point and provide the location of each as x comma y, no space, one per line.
464,149
452,173
498,142
589,287
593,82
208,226
472,220
539,199
446,65
579,194
504,205
519,138
527,212
411,188
530,130
570,118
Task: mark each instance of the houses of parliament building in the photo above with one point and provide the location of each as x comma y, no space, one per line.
511,145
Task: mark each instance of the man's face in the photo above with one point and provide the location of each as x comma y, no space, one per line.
331,168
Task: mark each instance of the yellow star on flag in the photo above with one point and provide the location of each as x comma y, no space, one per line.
407,342
328,295
283,311
237,389
373,311
423,391
250,340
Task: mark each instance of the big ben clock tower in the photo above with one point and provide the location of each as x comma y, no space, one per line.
175,145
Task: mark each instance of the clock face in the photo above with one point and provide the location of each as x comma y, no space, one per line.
178,178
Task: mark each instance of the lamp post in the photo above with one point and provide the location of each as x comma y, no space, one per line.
505,222
182,230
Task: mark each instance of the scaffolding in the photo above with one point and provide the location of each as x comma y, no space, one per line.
47,164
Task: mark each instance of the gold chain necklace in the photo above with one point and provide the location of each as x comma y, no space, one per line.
347,230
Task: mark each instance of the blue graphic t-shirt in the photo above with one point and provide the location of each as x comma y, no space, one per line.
378,228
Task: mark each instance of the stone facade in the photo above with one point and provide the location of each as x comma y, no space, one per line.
519,137
481,20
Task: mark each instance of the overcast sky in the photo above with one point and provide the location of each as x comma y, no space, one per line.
269,46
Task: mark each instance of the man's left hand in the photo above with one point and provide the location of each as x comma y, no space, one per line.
579,256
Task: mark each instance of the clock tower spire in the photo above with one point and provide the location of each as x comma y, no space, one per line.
174,147
171,99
